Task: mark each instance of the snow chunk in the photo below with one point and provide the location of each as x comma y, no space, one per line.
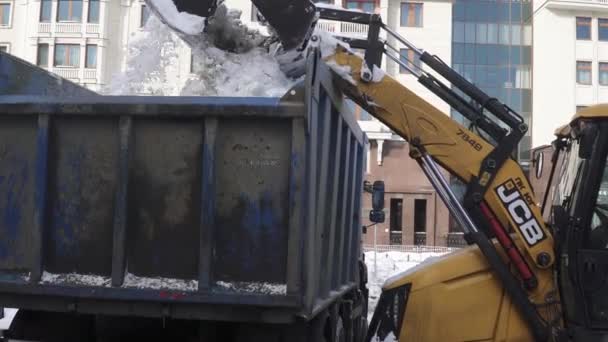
133,281
378,74
343,70
263,288
75,279
153,64
182,21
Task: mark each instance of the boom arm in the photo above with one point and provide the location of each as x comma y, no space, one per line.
499,195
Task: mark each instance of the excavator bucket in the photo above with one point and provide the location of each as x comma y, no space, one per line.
291,20
202,8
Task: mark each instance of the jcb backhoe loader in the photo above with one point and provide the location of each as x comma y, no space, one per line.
522,279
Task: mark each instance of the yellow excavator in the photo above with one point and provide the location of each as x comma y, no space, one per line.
522,279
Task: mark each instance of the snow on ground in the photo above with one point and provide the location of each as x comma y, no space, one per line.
383,265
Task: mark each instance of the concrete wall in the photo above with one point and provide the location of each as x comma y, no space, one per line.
404,180
556,50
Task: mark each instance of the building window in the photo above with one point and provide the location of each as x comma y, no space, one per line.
91,57
5,14
67,55
93,16
411,14
4,48
363,5
409,58
145,15
69,10
45,11
603,73
602,29
42,58
583,73
583,28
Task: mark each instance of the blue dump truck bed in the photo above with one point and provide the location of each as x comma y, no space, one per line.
180,207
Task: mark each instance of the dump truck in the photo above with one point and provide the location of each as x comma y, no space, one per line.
203,218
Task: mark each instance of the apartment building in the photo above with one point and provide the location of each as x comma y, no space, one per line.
570,61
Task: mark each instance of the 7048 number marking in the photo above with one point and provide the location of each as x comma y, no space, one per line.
464,136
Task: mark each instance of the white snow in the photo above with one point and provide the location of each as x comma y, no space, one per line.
343,70
182,21
378,74
9,314
153,63
159,283
253,287
75,279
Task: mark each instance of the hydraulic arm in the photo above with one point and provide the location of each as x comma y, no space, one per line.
499,197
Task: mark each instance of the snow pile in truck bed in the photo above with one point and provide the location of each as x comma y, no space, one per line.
153,63
252,287
75,279
159,283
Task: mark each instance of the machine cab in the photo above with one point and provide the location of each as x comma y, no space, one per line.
579,218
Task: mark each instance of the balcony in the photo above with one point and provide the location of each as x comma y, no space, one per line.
419,239
396,237
456,240
44,28
68,28
92,29
345,29
90,74
67,73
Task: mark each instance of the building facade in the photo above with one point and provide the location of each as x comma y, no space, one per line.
570,61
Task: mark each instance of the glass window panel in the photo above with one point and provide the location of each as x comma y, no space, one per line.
526,55
69,10
603,74
469,32
459,11
60,55
602,29
492,33
583,73
3,48
523,79
492,53
516,11
458,53
418,14
5,14
405,14
504,33
469,54
410,58
515,55
492,77
482,33
481,72
93,11
503,54
42,59
76,10
352,5
503,12
91,55
481,54
145,14
516,34
74,55
583,28
469,72
368,7
45,11
458,32
527,35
